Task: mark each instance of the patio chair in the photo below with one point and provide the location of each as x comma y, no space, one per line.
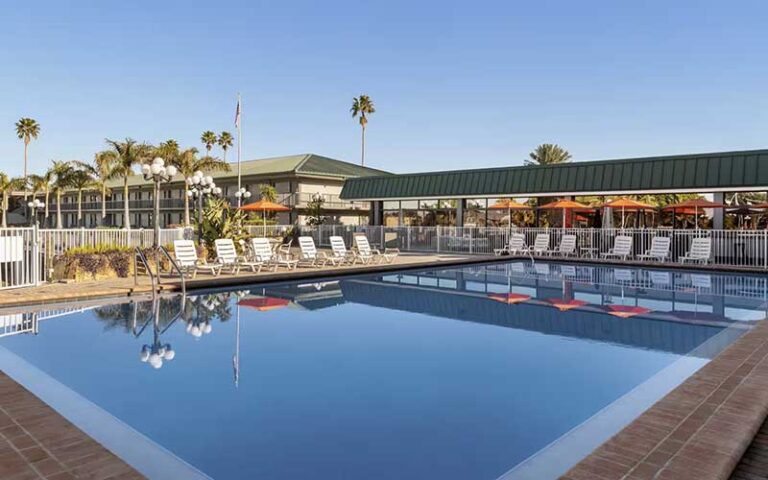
622,248
261,250
567,246
340,252
188,262
309,255
227,257
701,250
365,253
516,245
659,250
540,245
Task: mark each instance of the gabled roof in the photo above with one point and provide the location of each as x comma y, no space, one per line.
307,164
743,170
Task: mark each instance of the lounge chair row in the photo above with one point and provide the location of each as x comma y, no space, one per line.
260,254
700,250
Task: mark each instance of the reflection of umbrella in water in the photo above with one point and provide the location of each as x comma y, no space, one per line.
509,298
626,311
264,304
565,305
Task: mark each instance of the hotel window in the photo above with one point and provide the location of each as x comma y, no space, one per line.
475,213
391,214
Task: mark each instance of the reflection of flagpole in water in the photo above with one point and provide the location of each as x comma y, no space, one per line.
236,356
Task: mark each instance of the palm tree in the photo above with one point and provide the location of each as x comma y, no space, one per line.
27,129
209,140
548,154
81,179
268,192
225,141
127,154
62,173
362,106
7,186
188,163
42,183
102,171
168,150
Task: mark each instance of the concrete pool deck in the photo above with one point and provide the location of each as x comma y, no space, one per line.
698,431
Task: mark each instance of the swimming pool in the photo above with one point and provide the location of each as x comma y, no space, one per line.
504,370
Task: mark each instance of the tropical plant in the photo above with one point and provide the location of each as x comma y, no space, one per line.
225,141
362,107
220,220
27,129
127,154
315,211
62,176
7,186
42,183
548,154
81,179
268,192
101,171
187,163
209,140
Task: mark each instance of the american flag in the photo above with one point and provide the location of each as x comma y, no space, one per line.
237,114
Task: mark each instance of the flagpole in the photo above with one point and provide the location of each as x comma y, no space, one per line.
239,146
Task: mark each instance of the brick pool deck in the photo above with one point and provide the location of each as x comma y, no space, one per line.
699,431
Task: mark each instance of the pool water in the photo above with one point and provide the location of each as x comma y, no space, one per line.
450,373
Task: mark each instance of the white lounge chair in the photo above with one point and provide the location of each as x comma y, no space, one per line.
188,261
261,250
309,255
622,248
340,252
567,246
540,245
227,256
659,250
516,245
366,254
701,250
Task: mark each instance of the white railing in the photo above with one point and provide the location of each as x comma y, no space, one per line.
19,265
730,248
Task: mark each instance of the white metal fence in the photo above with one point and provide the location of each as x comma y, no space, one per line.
18,260
730,248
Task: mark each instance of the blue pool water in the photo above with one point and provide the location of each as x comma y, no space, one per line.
452,373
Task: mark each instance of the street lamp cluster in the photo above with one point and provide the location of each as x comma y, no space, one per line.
199,186
241,195
34,206
157,172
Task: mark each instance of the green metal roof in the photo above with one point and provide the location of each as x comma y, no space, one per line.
745,170
307,164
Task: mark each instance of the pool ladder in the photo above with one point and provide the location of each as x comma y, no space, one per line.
140,261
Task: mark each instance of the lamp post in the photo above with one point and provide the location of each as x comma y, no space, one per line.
158,173
201,185
34,205
242,194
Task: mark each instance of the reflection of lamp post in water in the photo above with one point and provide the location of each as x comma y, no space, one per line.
158,351
236,357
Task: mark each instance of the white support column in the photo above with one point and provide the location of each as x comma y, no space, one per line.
718,219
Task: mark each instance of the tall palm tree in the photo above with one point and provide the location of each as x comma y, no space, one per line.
102,170
209,140
62,173
548,154
81,179
7,186
188,163
168,150
362,107
225,141
27,129
127,154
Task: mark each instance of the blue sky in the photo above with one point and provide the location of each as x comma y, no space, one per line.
456,84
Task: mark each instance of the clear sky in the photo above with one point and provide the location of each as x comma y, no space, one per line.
456,83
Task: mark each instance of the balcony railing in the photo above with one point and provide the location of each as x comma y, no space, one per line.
118,205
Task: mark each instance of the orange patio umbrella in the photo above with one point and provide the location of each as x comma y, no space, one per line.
509,298
264,304
264,206
696,204
565,205
508,204
624,203
565,305
625,311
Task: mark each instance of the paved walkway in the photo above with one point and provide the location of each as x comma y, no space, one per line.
754,463
122,287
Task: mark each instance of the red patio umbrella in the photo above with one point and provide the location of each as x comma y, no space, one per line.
696,204
623,203
508,204
264,206
564,205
